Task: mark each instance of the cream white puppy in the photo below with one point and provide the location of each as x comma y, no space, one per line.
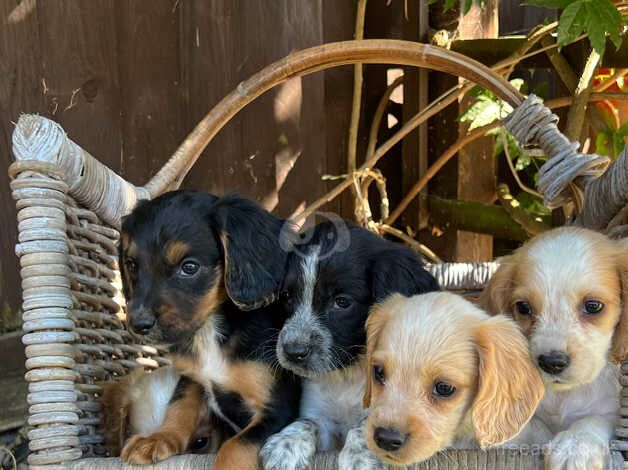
443,373
567,291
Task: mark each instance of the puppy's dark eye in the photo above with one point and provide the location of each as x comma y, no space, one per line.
443,390
378,374
199,444
131,266
284,296
524,308
342,302
189,268
593,307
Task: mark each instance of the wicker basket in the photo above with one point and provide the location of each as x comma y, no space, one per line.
69,208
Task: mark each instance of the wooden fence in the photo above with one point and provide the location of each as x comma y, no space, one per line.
128,79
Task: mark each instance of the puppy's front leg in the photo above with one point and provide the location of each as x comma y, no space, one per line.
584,446
355,454
292,448
174,434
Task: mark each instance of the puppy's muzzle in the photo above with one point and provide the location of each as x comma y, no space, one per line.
389,439
554,362
297,352
142,321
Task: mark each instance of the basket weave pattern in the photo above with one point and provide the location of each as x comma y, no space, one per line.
73,331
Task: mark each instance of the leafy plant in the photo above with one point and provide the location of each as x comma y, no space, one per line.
596,18
487,108
610,141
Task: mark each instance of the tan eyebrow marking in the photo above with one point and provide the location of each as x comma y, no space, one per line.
175,250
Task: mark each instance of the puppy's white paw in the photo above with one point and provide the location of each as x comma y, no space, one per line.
292,448
571,450
355,455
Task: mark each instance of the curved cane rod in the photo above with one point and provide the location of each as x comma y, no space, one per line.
369,51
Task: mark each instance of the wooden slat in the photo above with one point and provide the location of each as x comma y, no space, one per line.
476,164
20,91
12,384
271,150
443,132
82,92
415,98
286,126
210,54
338,25
148,63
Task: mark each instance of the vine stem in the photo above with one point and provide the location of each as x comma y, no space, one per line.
358,78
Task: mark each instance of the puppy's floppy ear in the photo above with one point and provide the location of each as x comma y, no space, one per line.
495,297
400,270
377,319
509,384
619,349
254,257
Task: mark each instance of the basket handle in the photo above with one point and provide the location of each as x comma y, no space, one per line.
368,51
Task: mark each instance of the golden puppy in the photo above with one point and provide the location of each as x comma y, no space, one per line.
440,373
567,290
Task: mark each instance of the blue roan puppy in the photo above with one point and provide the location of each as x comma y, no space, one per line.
333,278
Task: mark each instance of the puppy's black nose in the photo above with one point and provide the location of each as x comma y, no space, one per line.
553,363
142,324
389,439
297,352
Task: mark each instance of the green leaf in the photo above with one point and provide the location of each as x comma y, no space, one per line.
517,83
466,6
623,130
597,18
449,4
523,162
618,144
601,143
532,203
549,3
571,22
603,15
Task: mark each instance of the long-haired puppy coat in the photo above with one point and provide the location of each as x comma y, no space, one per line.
333,278
567,289
200,273
136,406
440,373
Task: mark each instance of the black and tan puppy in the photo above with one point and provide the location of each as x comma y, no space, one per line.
137,406
200,273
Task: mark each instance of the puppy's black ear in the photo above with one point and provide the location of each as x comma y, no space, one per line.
254,244
399,269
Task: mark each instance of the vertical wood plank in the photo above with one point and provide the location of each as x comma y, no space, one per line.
20,91
79,77
338,25
148,63
415,98
442,131
210,53
476,163
383,20
271,150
